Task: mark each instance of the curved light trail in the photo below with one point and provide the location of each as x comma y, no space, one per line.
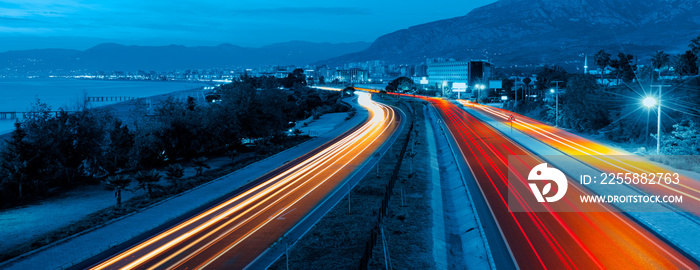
232,234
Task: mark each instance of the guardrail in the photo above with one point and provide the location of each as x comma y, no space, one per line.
369,246
109,99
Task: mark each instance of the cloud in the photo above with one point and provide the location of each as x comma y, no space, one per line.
13,19
306,11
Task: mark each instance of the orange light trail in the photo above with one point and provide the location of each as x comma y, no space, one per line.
236,231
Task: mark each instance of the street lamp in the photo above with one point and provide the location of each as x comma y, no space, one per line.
650,102
658,121
556,110
556,118
478,87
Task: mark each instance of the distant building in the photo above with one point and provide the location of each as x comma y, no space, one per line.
420,70
479,72
352,75
443,73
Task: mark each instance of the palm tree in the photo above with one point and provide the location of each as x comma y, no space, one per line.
660,60
695,46
174,172
200,164
148,180
118,183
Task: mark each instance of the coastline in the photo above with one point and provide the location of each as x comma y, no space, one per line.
122,108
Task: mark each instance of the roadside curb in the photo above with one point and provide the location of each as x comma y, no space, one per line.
433,115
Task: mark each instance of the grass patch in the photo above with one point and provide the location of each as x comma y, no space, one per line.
688,163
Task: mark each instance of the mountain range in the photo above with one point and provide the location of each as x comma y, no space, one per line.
521,32
115,57
506,32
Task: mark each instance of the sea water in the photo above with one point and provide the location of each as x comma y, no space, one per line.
18,95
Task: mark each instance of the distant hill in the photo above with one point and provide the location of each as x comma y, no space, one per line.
543,31
115,57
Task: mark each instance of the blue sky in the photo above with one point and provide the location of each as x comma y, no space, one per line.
78,24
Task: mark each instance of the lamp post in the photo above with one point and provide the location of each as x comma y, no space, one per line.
648,102
478,87
556,117
658,121
556,110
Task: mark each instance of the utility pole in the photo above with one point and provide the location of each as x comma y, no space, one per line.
556,117
516,92
658,120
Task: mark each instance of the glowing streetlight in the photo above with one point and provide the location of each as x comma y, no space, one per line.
556,110
649,102
479,87
556,117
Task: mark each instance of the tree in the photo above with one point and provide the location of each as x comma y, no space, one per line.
191,103
181,129
148,180
200,164
15,157
684,139
118,183
694,46
660,60
624,69
686,64
79,139
579,108
400,85
695,49
297,77
121,143
173,173
42,166
350,90
602,60
546,77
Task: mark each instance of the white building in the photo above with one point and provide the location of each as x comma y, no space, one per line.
352,75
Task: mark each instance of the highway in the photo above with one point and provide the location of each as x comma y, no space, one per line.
602,157
232,234
584,237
